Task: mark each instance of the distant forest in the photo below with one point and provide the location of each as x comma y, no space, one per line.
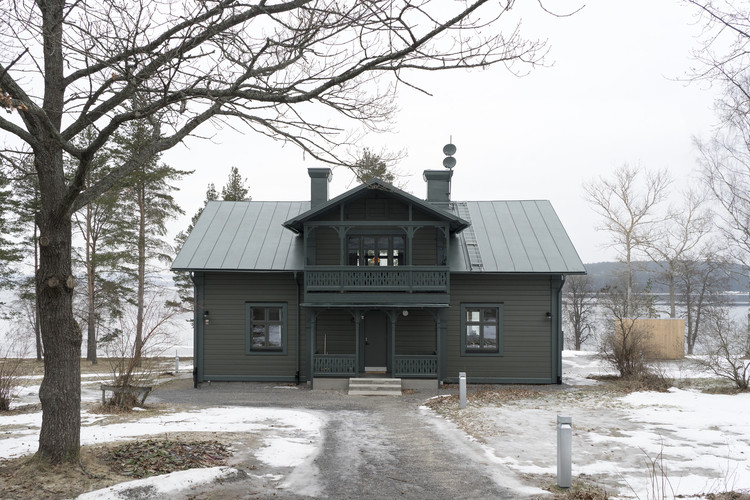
604,273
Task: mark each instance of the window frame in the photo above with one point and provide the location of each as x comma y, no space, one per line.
498,306
282,351
391,248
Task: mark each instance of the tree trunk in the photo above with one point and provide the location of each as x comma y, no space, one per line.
90,292
37,324
141,269
60,392
672,306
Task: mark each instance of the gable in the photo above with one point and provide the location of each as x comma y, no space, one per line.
376,201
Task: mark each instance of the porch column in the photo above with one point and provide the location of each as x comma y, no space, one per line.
442,352
357,319
313,342
393,316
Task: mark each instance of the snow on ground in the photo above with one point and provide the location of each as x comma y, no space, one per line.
162,486
702,441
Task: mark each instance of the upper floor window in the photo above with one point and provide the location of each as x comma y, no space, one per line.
376,250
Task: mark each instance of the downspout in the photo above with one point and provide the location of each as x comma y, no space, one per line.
557,325
299,310
197,327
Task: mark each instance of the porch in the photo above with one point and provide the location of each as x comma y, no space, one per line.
394,342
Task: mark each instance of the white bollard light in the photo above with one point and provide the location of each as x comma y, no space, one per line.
564,451
462,389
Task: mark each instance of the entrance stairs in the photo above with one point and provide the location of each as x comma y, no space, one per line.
374,386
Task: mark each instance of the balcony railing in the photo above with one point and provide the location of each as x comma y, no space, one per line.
334,365
378,279
416,366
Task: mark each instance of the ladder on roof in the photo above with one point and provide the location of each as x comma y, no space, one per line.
469,239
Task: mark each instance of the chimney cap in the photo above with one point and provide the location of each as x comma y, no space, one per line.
437,175
320,173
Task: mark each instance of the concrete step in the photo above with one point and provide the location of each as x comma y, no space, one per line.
374,386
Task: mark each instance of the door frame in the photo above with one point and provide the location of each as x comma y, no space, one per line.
386,344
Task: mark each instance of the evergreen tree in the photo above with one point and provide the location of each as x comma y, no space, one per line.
235,189
10,252
371,166
147,206
27,203
100,225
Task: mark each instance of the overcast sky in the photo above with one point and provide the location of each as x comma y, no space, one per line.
615,94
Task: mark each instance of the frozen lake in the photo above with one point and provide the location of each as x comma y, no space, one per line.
180,332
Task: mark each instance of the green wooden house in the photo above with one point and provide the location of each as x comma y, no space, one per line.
378,281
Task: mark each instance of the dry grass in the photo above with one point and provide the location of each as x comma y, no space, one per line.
105,465
483,397
580,490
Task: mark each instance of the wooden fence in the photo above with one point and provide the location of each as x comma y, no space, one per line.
665,338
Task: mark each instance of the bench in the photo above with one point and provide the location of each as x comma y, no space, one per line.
140,392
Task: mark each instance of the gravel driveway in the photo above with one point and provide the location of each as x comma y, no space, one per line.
372,447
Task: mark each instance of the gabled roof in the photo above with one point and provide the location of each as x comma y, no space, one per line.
518,237
513,237
243,235
456,223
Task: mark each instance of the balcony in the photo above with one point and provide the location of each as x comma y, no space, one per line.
369,284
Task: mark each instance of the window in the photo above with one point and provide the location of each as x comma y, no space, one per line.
481,329
376,250
266,328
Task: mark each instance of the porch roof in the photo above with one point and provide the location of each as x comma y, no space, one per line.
392,305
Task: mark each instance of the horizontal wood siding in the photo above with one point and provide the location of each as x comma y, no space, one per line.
327,247
224,344
416,333
527,342
424,247
334,333
376,207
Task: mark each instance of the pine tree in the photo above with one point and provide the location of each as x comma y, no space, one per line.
27,203
147,205
100,226
374,166
235,189
10,251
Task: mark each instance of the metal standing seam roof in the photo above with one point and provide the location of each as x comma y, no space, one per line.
518,237
506,237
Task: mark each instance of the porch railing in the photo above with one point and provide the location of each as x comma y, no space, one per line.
334,365
371,278
416,366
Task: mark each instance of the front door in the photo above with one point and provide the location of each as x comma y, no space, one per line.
375,342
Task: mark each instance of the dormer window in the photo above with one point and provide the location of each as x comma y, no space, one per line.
376,250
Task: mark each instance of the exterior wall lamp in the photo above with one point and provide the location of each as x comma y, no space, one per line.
548,315
205,318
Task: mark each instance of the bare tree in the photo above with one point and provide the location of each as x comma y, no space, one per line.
623,346
724,350
724,61
66,66
676,239
700,282
579,302
627,206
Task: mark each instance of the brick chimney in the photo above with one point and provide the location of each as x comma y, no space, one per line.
319,179
438,185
